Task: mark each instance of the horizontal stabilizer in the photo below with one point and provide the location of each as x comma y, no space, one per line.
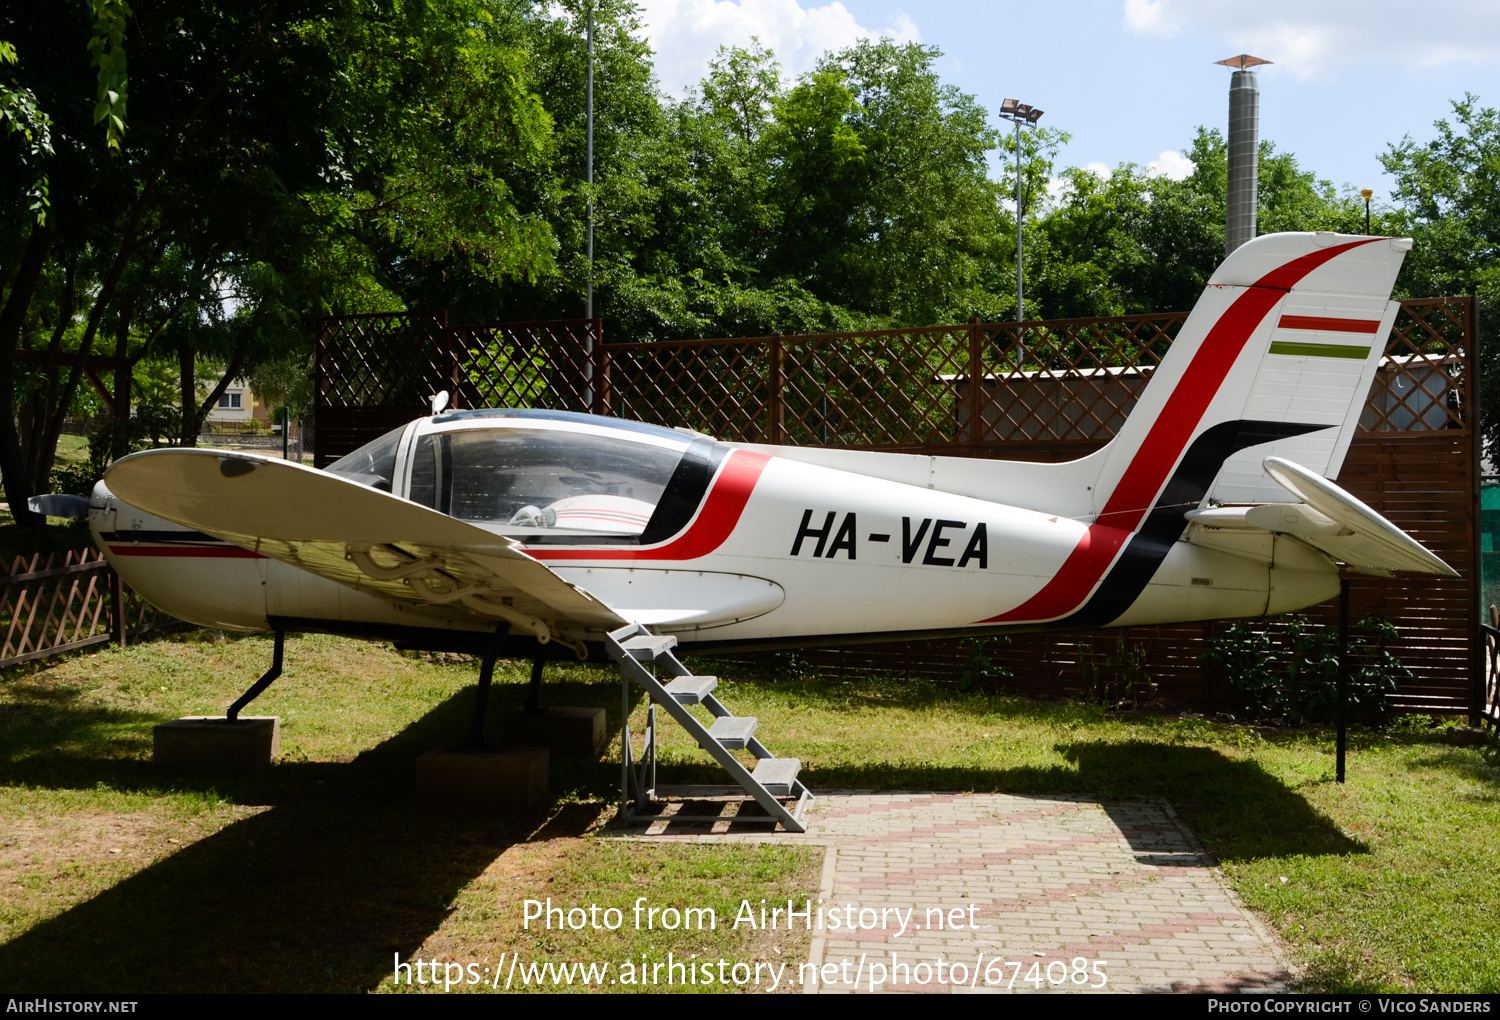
1341,525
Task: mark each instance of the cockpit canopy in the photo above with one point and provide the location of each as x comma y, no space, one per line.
525,472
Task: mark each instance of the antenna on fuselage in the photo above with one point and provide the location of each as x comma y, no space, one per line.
439,401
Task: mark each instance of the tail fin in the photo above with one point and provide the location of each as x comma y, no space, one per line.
1276,359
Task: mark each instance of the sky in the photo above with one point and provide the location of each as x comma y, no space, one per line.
1131,80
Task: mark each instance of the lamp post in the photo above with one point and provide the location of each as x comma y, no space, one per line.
588,343
1367,194
1020,113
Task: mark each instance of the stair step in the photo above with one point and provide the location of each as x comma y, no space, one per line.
690,690
777,775
645,648
733,731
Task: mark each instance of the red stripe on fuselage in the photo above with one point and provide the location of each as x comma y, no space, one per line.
213,552
1329,325
1134,496
715,522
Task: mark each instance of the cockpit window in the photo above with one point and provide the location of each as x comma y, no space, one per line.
373,464
543,478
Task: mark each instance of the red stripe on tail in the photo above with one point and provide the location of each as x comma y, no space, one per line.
1168,437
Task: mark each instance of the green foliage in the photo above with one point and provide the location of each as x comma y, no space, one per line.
978,665
1449,190
1286,668
150,427
288,162
1120,679
107,51
22,117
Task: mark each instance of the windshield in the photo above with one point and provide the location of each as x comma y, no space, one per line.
373,464
544,478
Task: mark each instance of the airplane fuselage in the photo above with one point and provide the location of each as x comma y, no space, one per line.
767,549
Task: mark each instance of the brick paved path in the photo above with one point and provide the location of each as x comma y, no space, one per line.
1050,880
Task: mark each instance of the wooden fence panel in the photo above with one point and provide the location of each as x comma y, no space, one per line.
58,602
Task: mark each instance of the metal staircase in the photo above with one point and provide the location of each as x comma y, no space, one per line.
641,655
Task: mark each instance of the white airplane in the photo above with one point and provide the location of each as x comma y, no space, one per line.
1212,502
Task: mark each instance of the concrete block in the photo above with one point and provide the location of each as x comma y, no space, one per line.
212,745
482,781
1464,736
570,732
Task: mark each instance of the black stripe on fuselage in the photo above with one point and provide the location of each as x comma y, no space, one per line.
163,537
1163,526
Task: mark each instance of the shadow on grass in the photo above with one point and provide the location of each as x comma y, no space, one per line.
55,741
346,870
1236,808
317,893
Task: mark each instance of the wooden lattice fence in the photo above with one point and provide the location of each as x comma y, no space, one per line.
55,602
375,372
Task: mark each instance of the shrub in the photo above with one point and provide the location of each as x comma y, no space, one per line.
978,664
1120,679
1286,669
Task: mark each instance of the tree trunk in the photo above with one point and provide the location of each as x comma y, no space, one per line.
120,410
41,390
17,480
236,365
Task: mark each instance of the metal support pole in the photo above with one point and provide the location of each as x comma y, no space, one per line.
486,676
588,344
775,384
118,616
534,689
260,685
286,433
624,746
1020,285
1343,709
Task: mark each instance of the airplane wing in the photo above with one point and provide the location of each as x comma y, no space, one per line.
1331,520
355,535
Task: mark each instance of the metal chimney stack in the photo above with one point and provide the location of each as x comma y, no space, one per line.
1244,151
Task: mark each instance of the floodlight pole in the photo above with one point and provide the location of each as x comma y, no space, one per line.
588,343
1020,279
1020,113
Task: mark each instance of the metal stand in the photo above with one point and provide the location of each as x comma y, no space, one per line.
486,677
1343,710
533,704
259,687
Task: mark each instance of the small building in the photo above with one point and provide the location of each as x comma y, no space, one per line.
238,404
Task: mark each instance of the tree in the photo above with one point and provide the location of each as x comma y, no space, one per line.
1449,191
283,160
1136,242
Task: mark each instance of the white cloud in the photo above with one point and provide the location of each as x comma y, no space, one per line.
1172,165
1099,170
686,34
1308,38
1149,17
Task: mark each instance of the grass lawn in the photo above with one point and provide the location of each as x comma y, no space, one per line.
317,874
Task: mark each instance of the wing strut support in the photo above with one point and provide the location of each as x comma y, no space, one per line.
258,688
486,677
